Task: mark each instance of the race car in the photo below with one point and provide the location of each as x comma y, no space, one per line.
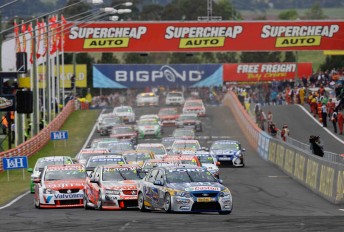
189,120
183,133
209,162
168,116
44,161
147,99
180,146
124,132
175,98
228,152
120,146
101,120
194,106
148,127
126,113
106,125
60,186
112,187
184,159
94,161
152,163
102,142
158,149
84,154
183,189
137,157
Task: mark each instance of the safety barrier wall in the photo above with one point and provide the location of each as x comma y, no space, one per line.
36,143
323,177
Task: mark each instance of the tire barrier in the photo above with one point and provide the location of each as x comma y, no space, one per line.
37,142
323,177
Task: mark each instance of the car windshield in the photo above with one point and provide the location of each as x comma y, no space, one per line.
156,150
86,156
168,112
136,157
206,159
148,122
112,120
187,117
194,146
104,144
194,104
51,175
146,95
92,163
225,146
167,142
174,95
178,133
43,163
118,147
119,174
189,175
123,110
150,165
122,130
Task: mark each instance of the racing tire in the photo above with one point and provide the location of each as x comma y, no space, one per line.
36,204
99,202
85,201
167,203
224,212
141,203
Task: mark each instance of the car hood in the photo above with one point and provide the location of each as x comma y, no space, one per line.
65,184
197,186
164,117
122,135
224,152
125,184
210,166
122,114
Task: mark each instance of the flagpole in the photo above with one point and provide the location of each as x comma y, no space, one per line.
35,88
48,84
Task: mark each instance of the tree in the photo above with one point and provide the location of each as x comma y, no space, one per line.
289,57
185,58
108,58
208,57
315,12
288,15
333,62
135,58
226,57
151,12
261,57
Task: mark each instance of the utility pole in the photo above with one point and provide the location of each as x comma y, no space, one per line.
209,16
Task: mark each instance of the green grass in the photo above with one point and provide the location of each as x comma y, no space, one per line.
79,126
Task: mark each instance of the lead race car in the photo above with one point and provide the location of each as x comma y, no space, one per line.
60,186
183,189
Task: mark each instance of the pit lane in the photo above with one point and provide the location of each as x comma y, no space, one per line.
264,198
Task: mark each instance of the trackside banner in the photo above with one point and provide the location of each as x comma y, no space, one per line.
253,72
139,76
204,36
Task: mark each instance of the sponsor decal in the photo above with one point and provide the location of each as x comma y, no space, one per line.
202,37
202,188
102,38
5,103
47,199
298,36
65,196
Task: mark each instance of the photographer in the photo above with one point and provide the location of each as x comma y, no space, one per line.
316,145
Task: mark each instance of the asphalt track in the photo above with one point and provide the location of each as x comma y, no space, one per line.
265,199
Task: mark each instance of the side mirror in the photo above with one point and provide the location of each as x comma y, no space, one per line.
30,170
158,182
37,180
218,163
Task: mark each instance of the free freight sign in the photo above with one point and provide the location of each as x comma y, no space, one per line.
14,162
204,36
139,76
253,72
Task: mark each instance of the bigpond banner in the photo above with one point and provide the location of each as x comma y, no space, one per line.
254,72
204,36
139,76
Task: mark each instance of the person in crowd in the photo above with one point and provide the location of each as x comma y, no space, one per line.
285,132
269,120
4,124
316,145
257,111
262,119
330,107
302,95
273,130
340,120
334,118
324,114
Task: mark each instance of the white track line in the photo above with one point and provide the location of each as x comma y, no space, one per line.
92,132
320,124
15,200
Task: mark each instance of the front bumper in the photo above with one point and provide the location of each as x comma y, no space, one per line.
115,202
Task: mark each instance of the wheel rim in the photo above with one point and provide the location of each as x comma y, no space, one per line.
85,202
141,201
167,202
99,202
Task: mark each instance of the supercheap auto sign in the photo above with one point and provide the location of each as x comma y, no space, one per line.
204,36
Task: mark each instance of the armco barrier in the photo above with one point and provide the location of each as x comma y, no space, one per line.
323,177
34,144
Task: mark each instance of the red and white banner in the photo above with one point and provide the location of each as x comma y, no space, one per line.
254,72
204,36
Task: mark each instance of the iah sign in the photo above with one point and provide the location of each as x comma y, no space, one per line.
14,162
59,135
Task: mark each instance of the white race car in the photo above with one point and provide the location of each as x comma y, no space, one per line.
147,99
175,98
125,112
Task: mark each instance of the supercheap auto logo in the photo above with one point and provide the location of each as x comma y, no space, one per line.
202,37
298,36
112,37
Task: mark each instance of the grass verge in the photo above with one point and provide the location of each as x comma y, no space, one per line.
78,125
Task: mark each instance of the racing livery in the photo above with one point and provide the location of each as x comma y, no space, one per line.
149,127
124,132
60,186
147,99
175,98
125,112
97,160
137,157
194,106
168,116
158,149
112,187
183,189
228,151
189,120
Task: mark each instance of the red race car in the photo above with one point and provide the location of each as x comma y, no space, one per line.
168,116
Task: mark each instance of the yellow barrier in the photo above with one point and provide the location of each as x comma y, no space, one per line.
280,155
312,173
299,170
326,180
289,160
340,186
272,151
